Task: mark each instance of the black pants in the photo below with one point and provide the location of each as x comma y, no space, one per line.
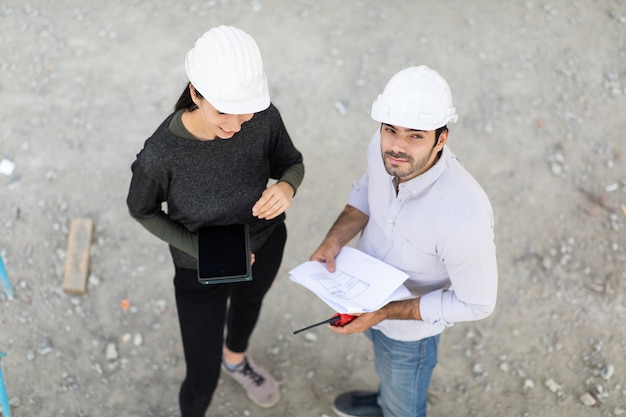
204,309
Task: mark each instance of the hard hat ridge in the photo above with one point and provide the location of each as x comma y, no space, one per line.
416,98
225,66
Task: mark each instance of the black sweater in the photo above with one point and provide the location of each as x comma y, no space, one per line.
211,182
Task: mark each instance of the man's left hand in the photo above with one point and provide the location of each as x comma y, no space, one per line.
360,324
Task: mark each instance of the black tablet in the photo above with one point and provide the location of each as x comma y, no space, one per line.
224,254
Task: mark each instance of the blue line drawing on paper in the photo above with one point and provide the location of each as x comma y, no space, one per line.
341,285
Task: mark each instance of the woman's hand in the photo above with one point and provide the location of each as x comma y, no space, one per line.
274,201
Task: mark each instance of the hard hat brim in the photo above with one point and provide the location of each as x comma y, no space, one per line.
383,114
237,107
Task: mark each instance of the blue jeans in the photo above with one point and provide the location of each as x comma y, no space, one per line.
404,370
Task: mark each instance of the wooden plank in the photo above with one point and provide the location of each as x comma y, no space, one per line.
77,256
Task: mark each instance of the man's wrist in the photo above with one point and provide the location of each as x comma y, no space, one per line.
402,310
417,313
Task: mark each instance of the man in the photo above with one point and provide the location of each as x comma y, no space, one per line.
420,211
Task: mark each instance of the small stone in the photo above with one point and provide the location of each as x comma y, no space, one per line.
478,368
607,372
552,385
6,167
94,281
275,351
44,348
600,393
138,339
528,384
98,368
556,168
310,337
588,399
15,402
341,107
111,352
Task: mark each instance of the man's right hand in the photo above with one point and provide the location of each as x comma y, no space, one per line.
326,252
350,222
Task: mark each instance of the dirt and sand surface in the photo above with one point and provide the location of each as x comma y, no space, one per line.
540,87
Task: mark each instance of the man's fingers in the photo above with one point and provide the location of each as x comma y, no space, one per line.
326,255
330,264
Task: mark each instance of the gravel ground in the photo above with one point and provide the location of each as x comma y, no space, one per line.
540,87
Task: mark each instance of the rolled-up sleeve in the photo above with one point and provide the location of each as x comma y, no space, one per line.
470,259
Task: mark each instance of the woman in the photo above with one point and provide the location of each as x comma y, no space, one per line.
210,161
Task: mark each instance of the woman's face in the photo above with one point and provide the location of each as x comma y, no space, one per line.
215,123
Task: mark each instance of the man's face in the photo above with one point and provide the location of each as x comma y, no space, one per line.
408,153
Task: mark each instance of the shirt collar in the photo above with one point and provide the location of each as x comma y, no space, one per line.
421,182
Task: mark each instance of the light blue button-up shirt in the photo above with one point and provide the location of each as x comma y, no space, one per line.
439,229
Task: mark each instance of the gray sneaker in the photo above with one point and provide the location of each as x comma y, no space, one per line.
260,385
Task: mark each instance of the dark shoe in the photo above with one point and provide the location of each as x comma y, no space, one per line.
358,404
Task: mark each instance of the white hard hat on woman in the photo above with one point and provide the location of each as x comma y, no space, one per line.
225,66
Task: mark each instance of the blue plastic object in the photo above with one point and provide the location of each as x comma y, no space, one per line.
4,398
4,278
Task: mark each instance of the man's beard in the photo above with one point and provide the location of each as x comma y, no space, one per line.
414,166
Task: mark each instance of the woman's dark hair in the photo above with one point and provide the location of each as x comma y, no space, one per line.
185,101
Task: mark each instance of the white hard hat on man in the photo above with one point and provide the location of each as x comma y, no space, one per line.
416,98
225,66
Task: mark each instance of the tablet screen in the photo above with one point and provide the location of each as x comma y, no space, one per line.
224,254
